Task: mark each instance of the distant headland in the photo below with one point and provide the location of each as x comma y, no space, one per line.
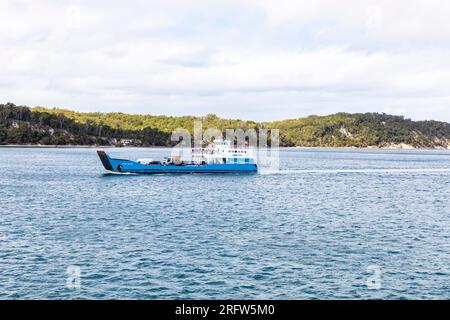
20,125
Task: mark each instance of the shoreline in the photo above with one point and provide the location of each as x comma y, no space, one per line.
153,147
51,146
373,148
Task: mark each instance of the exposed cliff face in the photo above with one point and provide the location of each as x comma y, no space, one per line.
364,130
22,125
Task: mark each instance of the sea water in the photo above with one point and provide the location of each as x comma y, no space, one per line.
330,224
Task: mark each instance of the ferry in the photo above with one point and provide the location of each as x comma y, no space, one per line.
218,157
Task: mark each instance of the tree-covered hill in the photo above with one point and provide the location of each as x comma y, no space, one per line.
363,130
22,125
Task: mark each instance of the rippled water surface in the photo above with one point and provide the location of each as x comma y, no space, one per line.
319,228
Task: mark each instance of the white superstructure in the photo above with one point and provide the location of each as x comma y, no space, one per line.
222,151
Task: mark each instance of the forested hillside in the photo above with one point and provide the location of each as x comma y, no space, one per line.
363,130
22,125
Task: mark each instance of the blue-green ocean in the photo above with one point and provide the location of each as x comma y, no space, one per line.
331,224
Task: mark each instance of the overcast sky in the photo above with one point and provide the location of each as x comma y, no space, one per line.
260,60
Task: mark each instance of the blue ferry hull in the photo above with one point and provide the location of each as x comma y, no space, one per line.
128,166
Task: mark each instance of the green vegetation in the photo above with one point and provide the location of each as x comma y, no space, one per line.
363,130
22,125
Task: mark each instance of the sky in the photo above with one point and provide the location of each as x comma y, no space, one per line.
249,59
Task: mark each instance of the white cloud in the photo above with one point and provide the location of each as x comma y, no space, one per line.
247,59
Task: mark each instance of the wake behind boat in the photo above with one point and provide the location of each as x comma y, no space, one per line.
219,157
